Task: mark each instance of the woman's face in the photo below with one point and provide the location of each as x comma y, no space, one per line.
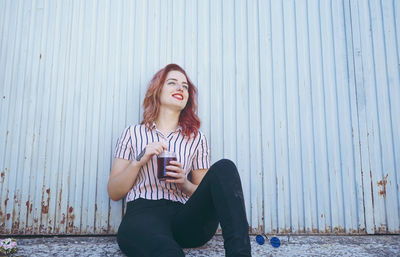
175,91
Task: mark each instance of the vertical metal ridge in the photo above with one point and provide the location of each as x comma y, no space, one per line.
261,219
360,224
299,171
352,209
287,178
6,169
19,161
215,82
235,80
254,117
375,131
390,45
274,201
338,161
396,150
315,228
323,61
27,134
20,121
35,190
3,25
71,211
387,151
209,113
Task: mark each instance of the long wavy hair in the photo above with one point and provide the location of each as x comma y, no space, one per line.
188,119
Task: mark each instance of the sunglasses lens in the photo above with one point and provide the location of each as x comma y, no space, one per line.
260,239
275,242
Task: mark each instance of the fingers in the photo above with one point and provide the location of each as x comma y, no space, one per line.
176,177
173,174
176,173
176,163
160,146
158,150
175,169
155,148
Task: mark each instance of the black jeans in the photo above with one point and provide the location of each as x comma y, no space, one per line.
163,227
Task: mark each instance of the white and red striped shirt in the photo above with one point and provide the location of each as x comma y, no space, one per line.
193,153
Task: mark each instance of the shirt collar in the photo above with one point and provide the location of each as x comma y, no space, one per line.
179,128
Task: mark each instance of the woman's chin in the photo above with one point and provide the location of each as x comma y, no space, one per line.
175,107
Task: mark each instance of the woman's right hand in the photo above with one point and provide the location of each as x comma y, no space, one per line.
151,149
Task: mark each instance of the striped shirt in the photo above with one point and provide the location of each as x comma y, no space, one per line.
192,153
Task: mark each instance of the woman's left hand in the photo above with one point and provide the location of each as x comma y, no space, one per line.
178,177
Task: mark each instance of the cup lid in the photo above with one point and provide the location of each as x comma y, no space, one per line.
167,154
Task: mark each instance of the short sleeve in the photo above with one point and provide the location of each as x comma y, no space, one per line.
201,158
124,149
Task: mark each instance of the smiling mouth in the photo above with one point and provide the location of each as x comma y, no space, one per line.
178,96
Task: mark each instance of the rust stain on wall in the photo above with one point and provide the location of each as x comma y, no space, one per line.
63,219
15,224
338,230
372,190
258,230
71,219
285,231
45,208
382,229
382,185
27,210
328,230
353,231
59,199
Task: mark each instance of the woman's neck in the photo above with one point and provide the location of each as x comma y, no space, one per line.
167,120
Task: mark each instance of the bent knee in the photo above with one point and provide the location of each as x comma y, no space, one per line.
225,163
225,167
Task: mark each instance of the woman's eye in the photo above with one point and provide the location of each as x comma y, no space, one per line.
185,87
171,83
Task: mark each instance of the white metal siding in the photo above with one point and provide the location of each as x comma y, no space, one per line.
303,95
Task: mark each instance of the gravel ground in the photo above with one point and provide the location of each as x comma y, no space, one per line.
382,245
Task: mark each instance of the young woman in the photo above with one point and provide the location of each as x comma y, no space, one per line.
164,216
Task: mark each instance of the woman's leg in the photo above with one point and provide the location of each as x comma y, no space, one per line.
145,230
218,198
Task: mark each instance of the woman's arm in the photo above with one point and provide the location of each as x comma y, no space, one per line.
122,177
198,175
124,172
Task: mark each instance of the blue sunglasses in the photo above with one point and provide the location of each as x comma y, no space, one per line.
274,241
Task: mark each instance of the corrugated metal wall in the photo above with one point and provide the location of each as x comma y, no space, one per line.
303,95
